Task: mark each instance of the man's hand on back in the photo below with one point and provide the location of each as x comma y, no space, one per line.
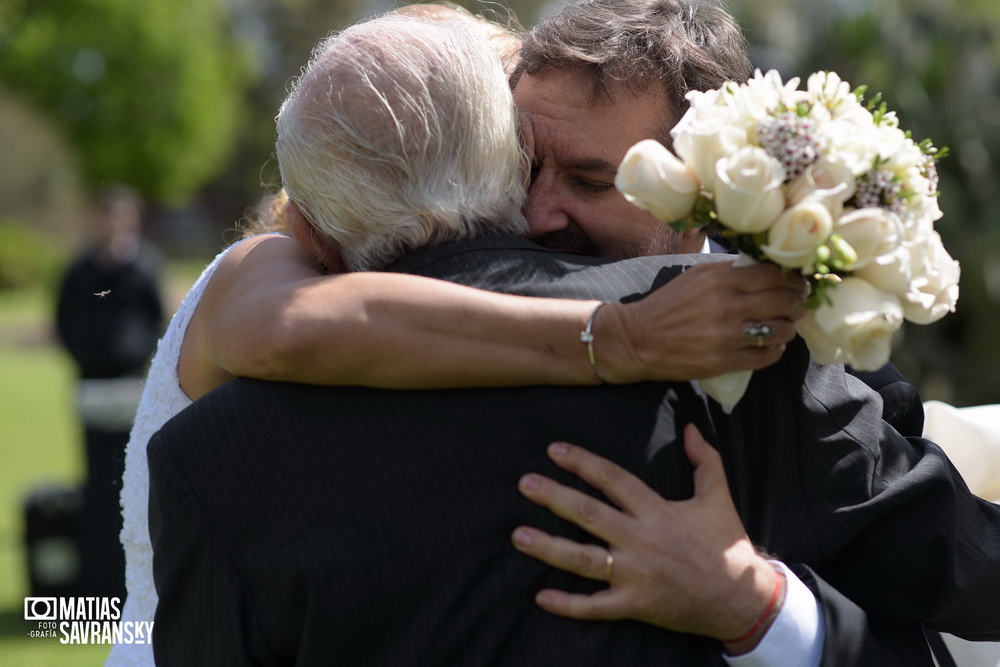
686,566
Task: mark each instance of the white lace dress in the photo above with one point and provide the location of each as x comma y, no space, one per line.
162,398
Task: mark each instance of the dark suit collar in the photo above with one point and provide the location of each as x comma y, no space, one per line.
415,260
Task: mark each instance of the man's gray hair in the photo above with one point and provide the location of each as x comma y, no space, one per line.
678,45
399,133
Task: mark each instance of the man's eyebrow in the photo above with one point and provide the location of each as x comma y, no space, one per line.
593,164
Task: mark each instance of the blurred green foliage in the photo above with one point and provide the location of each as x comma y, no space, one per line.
26,258
147,92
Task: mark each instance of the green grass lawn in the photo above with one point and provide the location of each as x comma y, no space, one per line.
40,441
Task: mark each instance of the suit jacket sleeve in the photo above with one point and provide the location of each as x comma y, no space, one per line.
199,616
900,532
854,638
902,406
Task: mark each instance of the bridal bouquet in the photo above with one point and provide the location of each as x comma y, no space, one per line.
817,182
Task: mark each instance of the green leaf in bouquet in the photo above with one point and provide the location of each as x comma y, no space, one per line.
822,258
820,285
748,244
842,254
928,148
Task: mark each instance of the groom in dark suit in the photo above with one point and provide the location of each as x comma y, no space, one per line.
309,525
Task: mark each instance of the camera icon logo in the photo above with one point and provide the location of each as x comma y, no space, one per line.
40,609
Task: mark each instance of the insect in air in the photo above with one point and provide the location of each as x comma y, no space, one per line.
102,294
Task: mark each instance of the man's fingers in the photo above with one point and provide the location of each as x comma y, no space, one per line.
620,486
587,512
601,606
585,560
709,473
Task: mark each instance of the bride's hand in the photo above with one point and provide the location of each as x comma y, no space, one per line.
692,327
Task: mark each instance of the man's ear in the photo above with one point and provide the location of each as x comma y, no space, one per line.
327,250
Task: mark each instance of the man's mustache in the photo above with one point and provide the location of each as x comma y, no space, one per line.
569,240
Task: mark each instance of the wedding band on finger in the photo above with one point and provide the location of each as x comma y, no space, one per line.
609,568
758,332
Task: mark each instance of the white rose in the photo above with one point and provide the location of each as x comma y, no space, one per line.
893,146
890,272
853,144
934,282
654,179
706,134
748,192
859,322
871,232
821,345
857,116
919,214
793,238
828,181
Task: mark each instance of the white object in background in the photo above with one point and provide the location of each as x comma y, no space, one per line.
971,439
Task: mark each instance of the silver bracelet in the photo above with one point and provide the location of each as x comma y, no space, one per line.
587,336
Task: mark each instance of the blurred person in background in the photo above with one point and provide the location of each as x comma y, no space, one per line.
109,316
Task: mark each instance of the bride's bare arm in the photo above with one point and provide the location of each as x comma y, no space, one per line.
269,313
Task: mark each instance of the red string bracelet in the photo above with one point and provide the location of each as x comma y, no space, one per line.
778,584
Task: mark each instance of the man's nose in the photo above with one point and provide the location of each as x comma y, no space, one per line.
543,210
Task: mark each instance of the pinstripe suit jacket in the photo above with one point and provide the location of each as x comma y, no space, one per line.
314,526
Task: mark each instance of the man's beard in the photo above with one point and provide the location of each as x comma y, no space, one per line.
662,240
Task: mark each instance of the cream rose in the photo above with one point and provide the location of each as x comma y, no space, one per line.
851,143
828,181
871,233
934,280
919,214
821,344
705,135
655,180
748,192
890,272
793,238
859,323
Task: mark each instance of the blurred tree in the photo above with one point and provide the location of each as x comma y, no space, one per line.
279,35
936,64
146,92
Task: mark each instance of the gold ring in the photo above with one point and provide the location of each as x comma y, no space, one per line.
610,566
